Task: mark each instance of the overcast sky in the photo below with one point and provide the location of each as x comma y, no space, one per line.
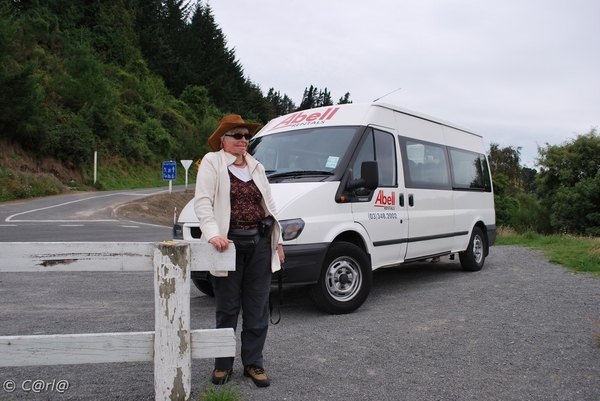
522,73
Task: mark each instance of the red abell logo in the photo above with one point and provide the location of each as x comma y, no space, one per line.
385,201
301,118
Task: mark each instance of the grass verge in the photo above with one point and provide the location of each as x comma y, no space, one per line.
116,176
578,254
18,185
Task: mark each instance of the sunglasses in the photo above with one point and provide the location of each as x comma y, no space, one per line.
239,136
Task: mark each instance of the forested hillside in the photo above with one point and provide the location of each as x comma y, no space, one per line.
143,81
139,81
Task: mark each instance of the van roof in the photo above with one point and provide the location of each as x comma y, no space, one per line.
345,114
425,117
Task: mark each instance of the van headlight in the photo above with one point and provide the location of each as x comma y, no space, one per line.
291,229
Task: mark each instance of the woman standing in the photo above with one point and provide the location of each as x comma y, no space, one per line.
234,205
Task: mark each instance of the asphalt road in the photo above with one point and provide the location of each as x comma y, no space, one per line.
80,216
520,329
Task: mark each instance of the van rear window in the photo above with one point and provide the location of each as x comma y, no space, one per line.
469,170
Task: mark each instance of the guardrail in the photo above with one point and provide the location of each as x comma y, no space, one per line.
172,344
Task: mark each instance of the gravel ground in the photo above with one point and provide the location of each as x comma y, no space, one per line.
520,329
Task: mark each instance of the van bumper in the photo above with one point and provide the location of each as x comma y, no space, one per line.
302,264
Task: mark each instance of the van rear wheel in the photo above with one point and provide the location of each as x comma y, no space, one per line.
473,257
345,280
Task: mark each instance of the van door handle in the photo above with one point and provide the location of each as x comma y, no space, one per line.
411,200
401,201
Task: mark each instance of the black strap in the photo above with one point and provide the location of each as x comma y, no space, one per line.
280,291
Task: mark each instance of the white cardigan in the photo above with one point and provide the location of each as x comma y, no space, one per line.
212,200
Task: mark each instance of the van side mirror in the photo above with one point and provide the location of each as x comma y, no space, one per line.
369,176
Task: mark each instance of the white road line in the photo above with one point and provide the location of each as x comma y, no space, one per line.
10,218
63,221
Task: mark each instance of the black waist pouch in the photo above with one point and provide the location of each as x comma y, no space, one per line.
265,227
244,240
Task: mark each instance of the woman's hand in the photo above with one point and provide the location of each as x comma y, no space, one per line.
221,244
280,253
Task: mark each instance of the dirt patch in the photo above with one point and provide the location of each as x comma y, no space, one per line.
156,209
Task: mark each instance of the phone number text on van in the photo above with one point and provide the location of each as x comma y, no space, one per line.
383,216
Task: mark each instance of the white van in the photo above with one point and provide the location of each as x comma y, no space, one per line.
360,187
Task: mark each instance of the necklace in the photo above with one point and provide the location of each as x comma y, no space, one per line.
243,163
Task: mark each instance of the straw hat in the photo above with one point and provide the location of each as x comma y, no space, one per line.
227,123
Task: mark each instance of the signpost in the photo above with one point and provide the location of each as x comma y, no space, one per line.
186,166
169,170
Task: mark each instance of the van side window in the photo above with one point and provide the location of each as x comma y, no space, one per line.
487,181
385,154
426,164
379,146
469,170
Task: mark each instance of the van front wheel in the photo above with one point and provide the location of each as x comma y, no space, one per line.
204,286
345,280
473,257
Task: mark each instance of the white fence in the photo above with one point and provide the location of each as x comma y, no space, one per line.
171,345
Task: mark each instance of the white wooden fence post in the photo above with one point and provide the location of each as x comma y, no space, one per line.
172,345
172,351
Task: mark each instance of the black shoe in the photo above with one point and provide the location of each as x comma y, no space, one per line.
221,376
258,376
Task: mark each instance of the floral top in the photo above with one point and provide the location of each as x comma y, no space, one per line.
246,209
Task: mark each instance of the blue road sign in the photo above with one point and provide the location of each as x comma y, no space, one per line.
169,171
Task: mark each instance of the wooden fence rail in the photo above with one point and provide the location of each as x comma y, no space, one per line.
172,344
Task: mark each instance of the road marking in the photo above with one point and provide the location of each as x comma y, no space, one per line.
63,221
10,218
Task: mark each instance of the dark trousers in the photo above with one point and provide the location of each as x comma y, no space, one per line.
247,288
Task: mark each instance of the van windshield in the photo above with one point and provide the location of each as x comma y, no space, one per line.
314,151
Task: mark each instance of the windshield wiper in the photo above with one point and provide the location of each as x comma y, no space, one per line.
299,172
